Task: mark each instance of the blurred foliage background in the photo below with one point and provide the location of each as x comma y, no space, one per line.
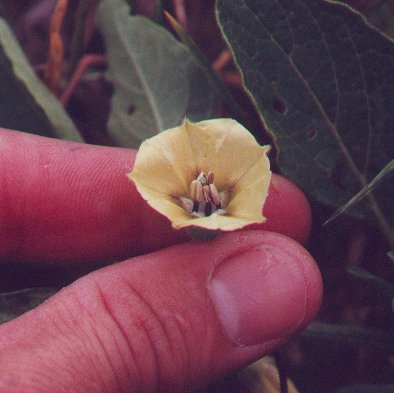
313,78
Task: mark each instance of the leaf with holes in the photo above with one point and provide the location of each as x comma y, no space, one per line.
323,81
157,80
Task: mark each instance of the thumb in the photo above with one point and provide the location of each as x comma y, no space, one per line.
169,321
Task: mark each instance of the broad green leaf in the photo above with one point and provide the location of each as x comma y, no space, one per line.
26,104
323,81
157,81
13,304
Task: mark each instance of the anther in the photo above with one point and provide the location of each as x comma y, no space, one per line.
205,198
214,196
187,204
210,178
202,178
196,191
206,193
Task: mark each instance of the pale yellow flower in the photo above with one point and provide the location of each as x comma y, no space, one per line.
212,174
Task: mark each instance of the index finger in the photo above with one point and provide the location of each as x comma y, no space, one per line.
66,202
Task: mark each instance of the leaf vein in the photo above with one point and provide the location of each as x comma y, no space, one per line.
145,86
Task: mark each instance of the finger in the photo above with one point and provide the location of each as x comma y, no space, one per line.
287,210
170,321
67,202
64,202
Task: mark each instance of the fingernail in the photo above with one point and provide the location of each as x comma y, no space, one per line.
259,295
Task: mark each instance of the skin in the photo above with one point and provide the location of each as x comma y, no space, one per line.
161,320
287,210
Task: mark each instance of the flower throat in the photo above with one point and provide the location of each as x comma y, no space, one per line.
204,195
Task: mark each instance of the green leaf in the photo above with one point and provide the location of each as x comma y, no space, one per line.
26,104
13,304
322,79
157,81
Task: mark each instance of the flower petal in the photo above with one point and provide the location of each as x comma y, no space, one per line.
165,205
165,163
249,193
224,147
216,222
181,219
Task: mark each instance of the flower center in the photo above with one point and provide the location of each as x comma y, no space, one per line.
204,199
204,195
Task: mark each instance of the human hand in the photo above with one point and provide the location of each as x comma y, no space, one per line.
167,321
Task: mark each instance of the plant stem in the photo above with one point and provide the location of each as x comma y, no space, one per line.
280,365
384,225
